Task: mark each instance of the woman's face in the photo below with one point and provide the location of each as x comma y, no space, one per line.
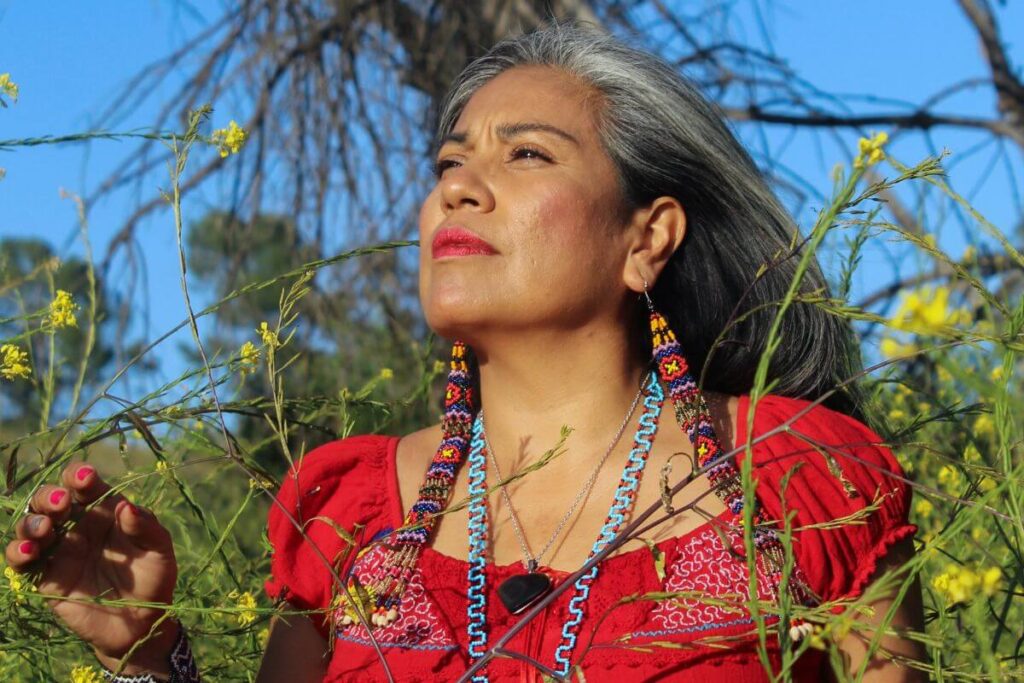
524,228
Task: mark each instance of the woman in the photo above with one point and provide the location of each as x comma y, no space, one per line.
583,189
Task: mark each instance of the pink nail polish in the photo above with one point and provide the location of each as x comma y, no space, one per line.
57,496
26,547
83,473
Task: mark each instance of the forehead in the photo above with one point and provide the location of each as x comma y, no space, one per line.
532,93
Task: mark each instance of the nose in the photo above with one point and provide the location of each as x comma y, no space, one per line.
463,187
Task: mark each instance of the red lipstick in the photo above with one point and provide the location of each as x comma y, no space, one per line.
458,241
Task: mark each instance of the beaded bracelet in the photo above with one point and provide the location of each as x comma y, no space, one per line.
183,666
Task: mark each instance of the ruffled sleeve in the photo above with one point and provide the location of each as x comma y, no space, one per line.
842,468
336,490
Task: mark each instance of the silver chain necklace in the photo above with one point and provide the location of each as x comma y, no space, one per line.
530,562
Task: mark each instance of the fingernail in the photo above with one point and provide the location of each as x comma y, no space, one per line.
26,547
57,496
83,473
34,522
134,510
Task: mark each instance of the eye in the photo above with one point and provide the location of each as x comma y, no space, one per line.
529,153
443,165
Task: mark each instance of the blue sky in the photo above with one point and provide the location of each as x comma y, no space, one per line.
72,58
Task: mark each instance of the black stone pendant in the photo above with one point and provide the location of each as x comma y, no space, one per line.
518,592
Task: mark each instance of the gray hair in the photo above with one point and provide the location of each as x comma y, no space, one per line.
666,139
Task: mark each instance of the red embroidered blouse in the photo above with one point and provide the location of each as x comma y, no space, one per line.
353,482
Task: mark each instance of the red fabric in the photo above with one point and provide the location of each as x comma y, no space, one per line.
352,484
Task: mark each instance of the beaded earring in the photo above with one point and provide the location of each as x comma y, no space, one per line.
456,426
695,419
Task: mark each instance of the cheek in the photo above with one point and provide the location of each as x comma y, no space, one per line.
430,216
560,220
572,235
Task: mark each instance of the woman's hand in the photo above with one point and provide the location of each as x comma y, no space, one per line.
115,551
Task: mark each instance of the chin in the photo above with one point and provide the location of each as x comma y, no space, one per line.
455,322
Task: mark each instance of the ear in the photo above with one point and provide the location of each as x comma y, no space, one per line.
658,230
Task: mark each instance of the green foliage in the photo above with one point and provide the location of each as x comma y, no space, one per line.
205,451
30,275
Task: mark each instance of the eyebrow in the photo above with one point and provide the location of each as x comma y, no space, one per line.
507,131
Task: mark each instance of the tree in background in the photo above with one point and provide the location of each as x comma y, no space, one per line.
341,98
30,278
337,101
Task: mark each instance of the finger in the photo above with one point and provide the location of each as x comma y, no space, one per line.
85,483
52,501
21,553
142,528
38,528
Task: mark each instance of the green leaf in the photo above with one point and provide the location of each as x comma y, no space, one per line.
659,558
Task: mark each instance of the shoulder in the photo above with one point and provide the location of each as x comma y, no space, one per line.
331,503
793,429
352,461
836,479
413,456
342,484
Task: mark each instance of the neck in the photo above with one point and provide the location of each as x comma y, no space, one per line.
532,385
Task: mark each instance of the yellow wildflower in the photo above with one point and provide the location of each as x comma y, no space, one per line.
263,636
997,373
870,150
926,311
439,367
247,603
984,426
949,477
8,87
891,348
986,484
13,362
971,453
268,335
62,310
923,507
991,580
259,483
957,584
896,414
386,373
970,253
19,585
248,357
85,674
943,375
229,140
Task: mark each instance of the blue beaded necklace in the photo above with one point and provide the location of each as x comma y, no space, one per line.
622,505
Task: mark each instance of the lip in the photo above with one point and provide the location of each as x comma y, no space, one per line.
456,240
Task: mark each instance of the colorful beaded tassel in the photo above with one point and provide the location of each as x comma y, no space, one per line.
694,418
456,425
